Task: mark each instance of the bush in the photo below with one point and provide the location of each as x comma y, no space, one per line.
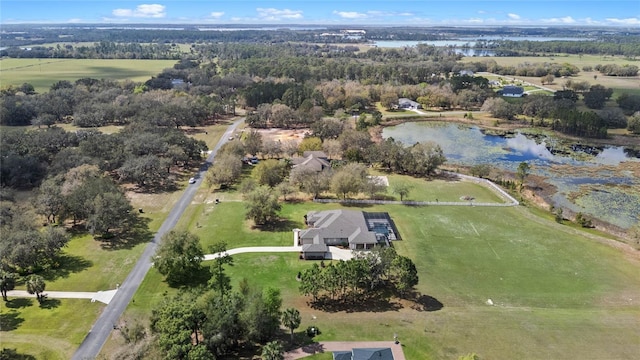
312,331
583,220
558,215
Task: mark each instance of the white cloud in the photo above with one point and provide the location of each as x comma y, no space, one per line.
481,12
142,11
216,14
513,16
562,20
627,21
272,14
350,14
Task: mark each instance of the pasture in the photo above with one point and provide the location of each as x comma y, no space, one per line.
42,73
619,84
555,291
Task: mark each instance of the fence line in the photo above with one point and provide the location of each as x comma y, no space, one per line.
511,201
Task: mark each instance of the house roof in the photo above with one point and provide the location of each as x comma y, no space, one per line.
406,101
315,160
318,154
364,354
372,354
338,224
510,89
314,248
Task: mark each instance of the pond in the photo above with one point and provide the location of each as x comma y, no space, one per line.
602,183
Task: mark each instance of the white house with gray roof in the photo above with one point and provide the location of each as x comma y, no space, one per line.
358,230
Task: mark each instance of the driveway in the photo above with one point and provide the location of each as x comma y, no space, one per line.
101,296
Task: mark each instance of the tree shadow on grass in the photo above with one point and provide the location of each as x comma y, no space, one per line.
279,225
423,302
138,232
18,303
66,265
372,304
49,303
193,280
346,203
446,176
10,321
12,354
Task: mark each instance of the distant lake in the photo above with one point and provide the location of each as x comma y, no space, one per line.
464,45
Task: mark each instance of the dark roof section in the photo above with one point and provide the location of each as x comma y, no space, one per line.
512,90
364,354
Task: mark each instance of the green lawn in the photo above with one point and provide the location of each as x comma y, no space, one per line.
555,291
548,287
51,332
42,73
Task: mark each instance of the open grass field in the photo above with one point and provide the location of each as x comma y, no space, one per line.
52,331
42,73
619,84
556,293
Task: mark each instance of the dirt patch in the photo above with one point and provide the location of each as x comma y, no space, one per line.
284,135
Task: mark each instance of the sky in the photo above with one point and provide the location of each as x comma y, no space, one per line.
328,12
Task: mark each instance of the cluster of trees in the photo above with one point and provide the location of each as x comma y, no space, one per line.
273,178
212,321
361,278
525,69
143,154
617,70
561,112
99,50
610,45
91,103
26,248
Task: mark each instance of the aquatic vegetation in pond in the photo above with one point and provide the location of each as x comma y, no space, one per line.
610,171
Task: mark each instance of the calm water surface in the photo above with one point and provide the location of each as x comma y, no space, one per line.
598,185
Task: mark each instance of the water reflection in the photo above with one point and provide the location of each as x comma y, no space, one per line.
611,156
594,185
528,146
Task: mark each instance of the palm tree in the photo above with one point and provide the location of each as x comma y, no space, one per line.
291,319
36,285
272,351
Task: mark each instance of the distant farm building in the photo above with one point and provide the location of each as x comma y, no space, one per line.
512,91
404,103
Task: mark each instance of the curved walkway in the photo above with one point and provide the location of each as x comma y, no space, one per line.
326,346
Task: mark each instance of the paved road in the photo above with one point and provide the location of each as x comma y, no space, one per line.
93,342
